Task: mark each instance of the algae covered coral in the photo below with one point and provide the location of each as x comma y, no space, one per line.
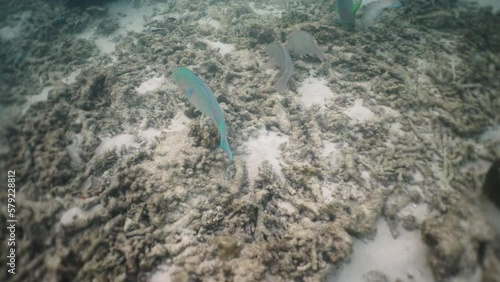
119,179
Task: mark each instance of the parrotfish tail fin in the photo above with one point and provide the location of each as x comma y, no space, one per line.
224,145
355,6
281,84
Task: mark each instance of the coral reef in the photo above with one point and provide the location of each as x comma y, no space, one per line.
175,201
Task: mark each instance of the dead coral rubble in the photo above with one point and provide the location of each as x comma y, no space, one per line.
176,203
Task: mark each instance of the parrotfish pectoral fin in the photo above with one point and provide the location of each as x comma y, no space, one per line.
355,5
224,144
189,92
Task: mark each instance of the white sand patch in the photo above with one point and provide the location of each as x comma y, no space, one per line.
314,91
417,176
127,140
173,143
271,70
396,258
223,48
86,34
14,29
358,113
365,175
130,19
491,135
71,215
287,207
108,143
328,190
105,45
390,111
122,140
210,23
266,10
162,274
71,78
264,147
179,123
73,151
76,213
150,85
44,94
396,128
150,134
331,150
332,154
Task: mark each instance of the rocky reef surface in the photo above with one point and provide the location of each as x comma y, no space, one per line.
120,182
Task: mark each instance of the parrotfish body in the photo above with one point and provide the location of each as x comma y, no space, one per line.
204,100
347,10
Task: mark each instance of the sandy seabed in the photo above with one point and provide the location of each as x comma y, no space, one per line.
369,168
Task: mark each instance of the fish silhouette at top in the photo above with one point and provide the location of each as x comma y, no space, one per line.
204,100
347,10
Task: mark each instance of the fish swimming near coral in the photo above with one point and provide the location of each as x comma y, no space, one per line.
204,100
373,10
303,43
280,57
347,10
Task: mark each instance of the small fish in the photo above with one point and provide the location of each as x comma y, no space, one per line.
302,43
347,10
281,58
372,11
204,100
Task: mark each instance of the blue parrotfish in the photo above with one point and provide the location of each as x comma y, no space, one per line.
204,100
347,10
